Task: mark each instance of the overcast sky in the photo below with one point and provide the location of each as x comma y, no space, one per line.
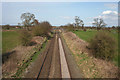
61,13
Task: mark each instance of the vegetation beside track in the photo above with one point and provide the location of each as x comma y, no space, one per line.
89,65
89,34
37,50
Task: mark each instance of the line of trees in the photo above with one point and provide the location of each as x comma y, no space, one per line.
98,24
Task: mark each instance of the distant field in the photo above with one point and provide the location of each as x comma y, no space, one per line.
10,39
91,33
85,35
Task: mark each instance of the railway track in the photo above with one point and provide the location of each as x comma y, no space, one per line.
55,62
51,62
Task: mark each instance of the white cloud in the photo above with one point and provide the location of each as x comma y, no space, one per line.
109,12
111,5
110,17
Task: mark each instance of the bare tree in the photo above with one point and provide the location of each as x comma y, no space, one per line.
78,21
82,23
74,24
99,23
35,22
27,19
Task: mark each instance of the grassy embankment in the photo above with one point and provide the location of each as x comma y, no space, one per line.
10,39
91,33
22,68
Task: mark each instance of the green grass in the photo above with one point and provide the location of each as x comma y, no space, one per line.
10,39
115,35
91,33
85,35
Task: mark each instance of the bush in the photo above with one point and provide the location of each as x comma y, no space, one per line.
84,29
6,27
37,31
25,37
41,29
69,27
103,46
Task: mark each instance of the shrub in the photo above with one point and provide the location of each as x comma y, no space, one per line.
41,29
84,29
6,27
103,45
25,37
37,31
69,27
